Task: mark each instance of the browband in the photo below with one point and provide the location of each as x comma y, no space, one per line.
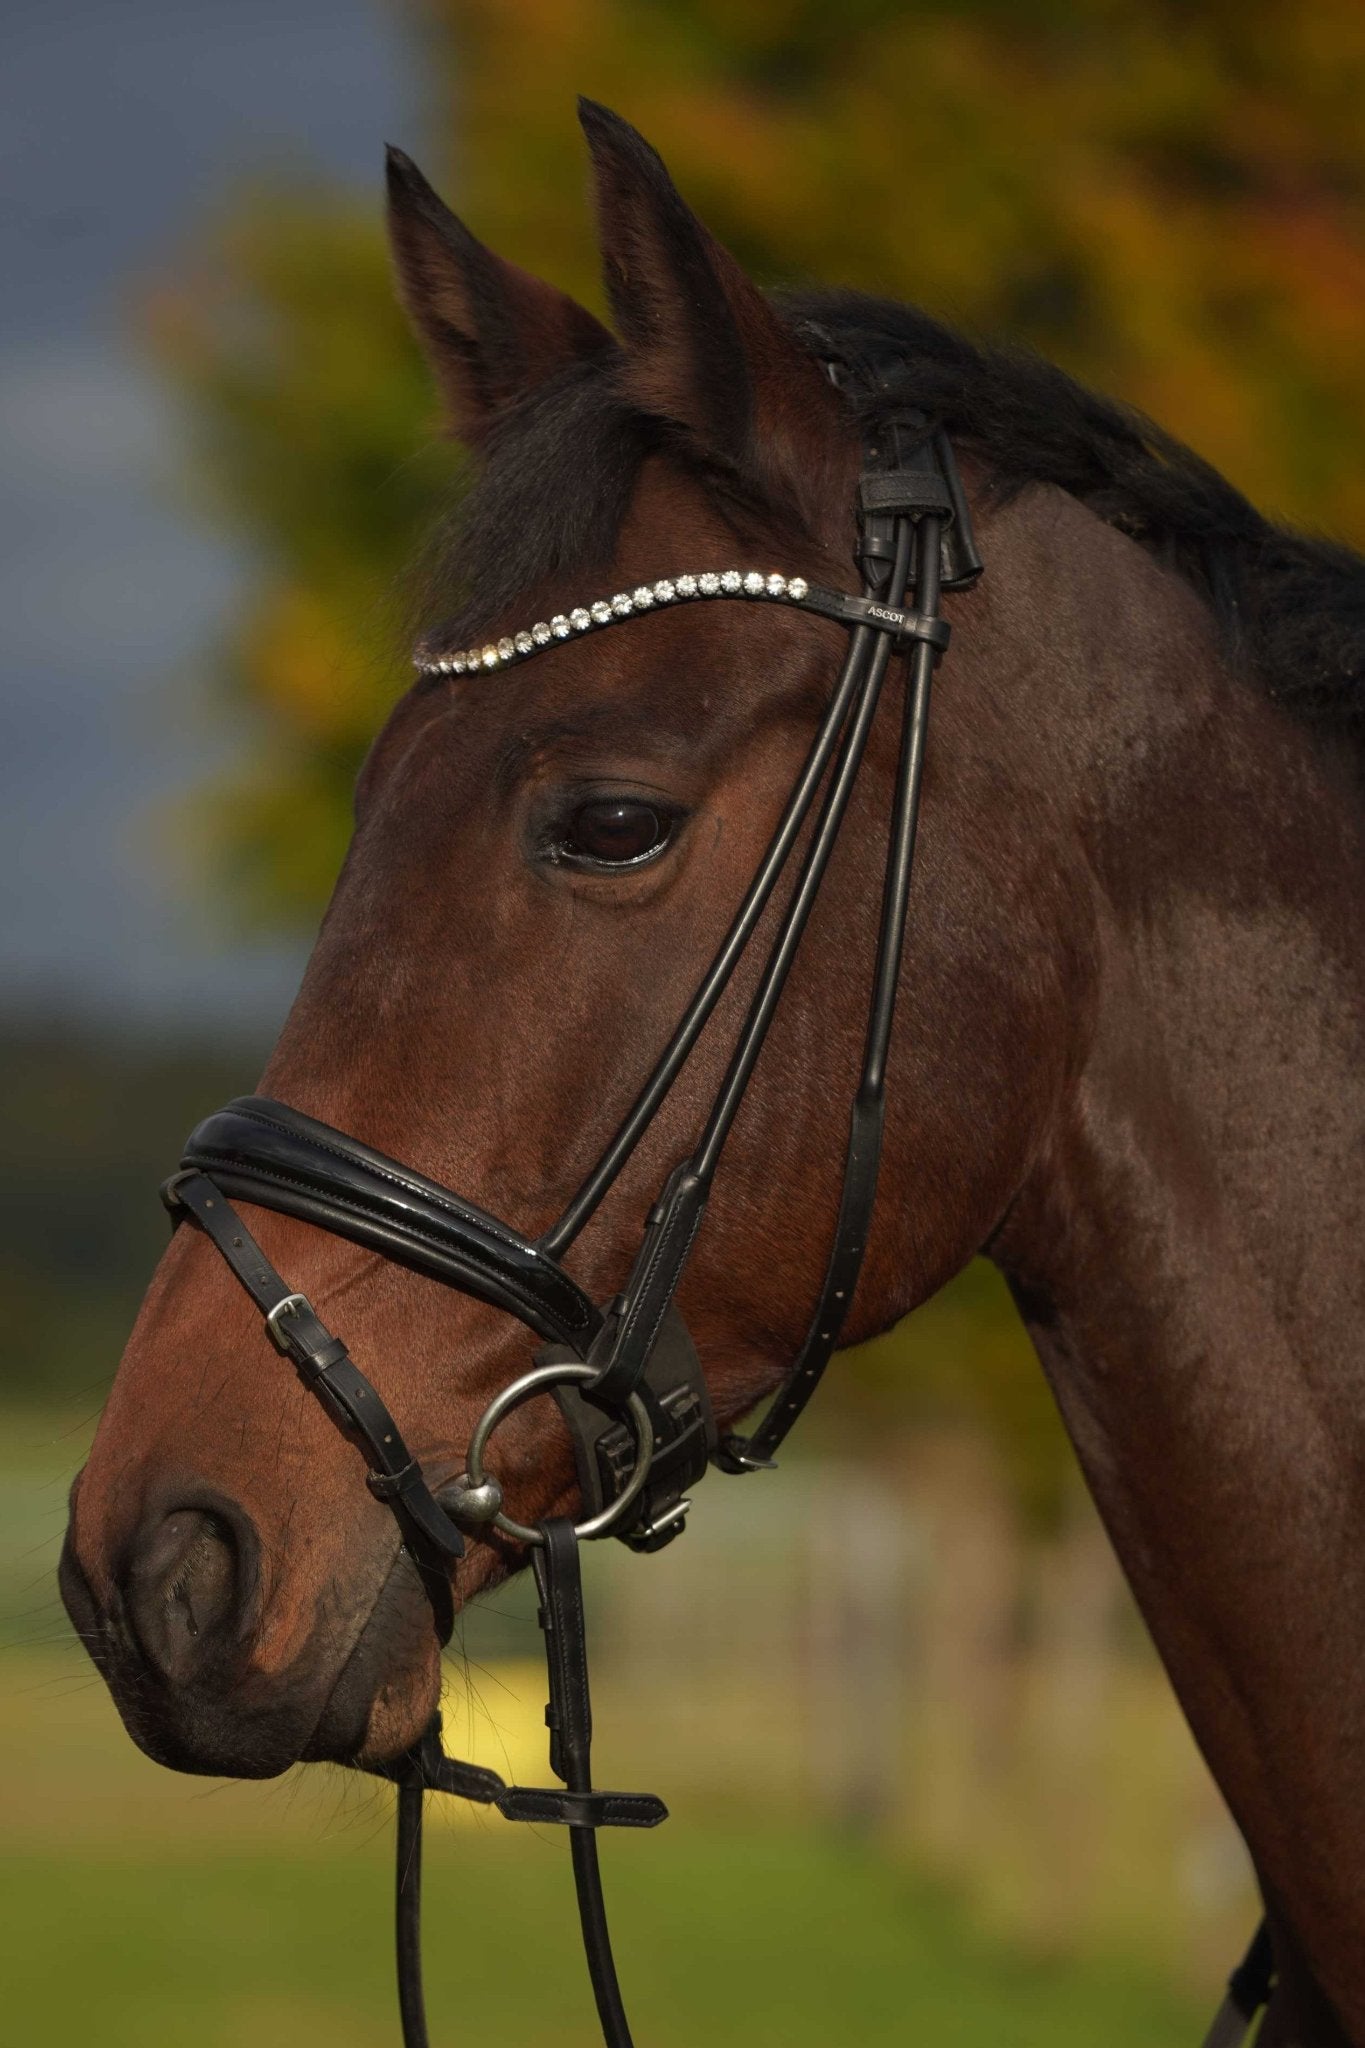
903,627
264,1152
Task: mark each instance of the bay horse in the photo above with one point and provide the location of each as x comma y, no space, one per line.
1127,1066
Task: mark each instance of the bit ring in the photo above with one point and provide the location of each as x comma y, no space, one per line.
537,1381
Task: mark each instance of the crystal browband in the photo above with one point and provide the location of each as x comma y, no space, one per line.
751,583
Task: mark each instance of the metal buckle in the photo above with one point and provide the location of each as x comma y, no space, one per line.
535,1382
290,1304
662,1530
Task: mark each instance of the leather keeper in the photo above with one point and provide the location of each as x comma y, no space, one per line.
314,1361
912,492
389,1486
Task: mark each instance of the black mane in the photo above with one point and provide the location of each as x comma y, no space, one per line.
1291,608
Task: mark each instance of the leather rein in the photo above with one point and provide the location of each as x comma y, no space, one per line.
626,1374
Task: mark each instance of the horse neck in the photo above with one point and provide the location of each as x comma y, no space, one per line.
1186,1250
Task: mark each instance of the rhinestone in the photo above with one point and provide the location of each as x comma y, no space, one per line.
664,593
754,583
731,581
776,586
797,588
457,665
525,644
687,586
580,620
708,584
506,649
601,611
472,659
560,626
643,596
540,633
489,657
622,604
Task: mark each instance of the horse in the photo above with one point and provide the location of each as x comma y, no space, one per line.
1127,1065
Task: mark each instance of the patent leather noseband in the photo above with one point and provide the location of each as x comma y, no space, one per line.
625,1372
263,1152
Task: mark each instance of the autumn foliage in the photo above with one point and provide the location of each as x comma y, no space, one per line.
1168,199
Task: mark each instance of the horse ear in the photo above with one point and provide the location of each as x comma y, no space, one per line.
703,346
490,330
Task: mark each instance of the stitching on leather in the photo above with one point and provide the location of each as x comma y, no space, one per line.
554,1285
483,1791
651,1268
665,1305
617,1809
571,1645
428,1190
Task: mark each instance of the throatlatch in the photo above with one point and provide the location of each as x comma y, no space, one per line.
626,1376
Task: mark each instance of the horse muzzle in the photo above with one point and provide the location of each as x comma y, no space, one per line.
175,1634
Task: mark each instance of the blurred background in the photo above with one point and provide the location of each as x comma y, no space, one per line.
926,1780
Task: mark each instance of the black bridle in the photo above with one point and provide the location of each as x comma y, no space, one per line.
626,1375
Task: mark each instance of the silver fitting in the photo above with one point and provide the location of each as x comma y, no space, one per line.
538,1381
463,1501
671,1521
290,1306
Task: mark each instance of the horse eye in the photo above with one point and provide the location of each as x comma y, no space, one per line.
615,832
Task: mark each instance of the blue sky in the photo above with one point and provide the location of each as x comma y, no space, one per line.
119,127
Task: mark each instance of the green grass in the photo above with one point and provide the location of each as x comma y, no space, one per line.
723,1939
139,1909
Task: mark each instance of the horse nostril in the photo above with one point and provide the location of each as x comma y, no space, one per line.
184,1589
